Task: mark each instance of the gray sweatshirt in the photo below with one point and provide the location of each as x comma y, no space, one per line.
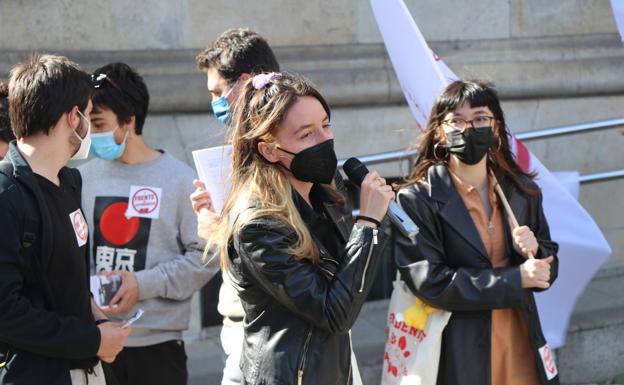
164,251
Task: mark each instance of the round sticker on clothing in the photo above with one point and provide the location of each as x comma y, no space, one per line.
144,202
81,229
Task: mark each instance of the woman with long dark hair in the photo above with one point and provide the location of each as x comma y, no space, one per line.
467,259
301,266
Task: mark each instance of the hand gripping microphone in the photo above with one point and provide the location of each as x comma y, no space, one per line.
356,171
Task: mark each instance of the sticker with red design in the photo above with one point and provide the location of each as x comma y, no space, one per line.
548,359
144,202
81,229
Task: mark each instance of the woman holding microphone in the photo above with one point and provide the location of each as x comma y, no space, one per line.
466,258
302,267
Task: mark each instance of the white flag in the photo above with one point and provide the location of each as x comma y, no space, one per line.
420,77
618,14
582,247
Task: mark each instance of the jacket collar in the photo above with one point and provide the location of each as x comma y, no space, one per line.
453,210
21,167
23,172
320,197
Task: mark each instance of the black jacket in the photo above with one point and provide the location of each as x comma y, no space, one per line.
298,314
36,344
449,268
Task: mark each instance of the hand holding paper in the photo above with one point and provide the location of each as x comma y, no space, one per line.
200,198
214,166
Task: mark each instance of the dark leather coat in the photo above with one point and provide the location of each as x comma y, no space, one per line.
449,268
297,313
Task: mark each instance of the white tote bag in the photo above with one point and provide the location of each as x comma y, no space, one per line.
414,339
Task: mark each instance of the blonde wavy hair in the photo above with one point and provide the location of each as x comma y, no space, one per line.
260,188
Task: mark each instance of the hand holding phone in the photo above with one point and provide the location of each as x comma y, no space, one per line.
133,319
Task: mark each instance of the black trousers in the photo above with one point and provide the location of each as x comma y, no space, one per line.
162,364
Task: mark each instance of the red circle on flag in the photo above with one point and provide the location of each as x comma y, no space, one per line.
115,227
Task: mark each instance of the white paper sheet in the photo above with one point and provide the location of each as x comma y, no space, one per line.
214,167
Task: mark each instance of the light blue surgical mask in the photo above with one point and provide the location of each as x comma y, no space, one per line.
221,110
104,146
221,107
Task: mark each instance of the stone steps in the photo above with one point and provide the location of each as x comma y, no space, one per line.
593,354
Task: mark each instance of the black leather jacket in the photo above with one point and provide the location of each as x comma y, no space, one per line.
297,313
449,268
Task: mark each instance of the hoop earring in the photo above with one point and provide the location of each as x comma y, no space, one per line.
500,143
435,153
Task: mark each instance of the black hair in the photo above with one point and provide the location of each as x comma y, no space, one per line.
42,89
6,134
123,91
238,51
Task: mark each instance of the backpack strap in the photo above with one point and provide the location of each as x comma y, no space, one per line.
30,220
29,236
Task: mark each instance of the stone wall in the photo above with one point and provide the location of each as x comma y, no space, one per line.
555,63
189,24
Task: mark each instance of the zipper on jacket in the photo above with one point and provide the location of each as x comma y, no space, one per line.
306,345
6,360
370,253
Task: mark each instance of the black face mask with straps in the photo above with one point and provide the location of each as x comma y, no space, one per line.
316,164
471,145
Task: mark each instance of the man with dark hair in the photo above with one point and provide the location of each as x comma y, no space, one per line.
143,230
234,57
6,135
51,332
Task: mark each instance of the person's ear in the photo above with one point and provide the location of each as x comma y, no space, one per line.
440,136
497,127
129,125
244,77
73,118
268,151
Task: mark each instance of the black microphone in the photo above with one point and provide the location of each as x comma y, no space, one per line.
356,171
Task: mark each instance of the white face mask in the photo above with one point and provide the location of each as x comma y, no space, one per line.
85,143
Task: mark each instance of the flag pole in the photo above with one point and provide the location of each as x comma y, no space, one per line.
510,213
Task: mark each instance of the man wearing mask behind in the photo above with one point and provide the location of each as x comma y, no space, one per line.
144,230
233,58
51,332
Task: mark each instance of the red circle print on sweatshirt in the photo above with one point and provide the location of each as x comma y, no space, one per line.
115,227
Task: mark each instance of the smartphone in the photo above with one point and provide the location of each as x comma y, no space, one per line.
133,319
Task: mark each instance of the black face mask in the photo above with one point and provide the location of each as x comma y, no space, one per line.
316,164
471,145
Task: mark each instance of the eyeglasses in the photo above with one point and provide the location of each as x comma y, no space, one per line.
459,124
